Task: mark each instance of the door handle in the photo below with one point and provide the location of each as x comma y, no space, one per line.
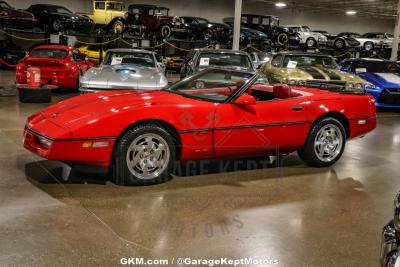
297,108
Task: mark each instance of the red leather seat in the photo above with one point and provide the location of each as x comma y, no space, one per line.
282,91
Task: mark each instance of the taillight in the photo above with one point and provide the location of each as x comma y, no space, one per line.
4,13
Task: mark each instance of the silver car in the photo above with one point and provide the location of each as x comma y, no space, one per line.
125,69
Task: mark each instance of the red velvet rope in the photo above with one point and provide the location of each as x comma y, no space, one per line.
6,64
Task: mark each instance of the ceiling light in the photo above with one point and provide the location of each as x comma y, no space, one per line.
280,4
351,12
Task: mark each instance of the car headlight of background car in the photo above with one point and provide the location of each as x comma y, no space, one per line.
369,86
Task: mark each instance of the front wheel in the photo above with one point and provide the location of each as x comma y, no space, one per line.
144,156
368,46
118,27
325,143
166,31
311,42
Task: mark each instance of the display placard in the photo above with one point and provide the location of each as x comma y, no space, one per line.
205,61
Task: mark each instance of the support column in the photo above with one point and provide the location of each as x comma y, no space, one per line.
236,25
395,45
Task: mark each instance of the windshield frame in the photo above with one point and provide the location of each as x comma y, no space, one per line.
130,53
230,99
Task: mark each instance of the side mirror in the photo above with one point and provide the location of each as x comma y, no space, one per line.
245,100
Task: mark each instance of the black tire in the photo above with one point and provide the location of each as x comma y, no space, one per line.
166,31
118,27
282,39
368,46
121,172
311,42
57,26
340,44
208,35
309,153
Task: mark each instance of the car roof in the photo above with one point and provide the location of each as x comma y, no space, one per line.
147,6
55,47
300,53
130,50
221,51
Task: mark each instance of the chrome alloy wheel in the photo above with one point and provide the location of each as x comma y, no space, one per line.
148,156
328,143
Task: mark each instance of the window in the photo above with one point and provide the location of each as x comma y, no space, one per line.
49,53
230,60
4,5
256,20
115,6
100,5
129,58
276,61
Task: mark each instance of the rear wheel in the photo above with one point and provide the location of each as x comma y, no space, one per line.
118,27
368,46
57,25
144,156
166,31
325,143
283,39
340,44
311,42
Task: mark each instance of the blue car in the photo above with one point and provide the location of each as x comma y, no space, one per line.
383,77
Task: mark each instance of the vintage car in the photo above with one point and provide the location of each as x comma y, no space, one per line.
343,41
58,18
16,19
217,113
110,13
367,44
270,26
59,65
300,68
382,77
390,244
202,29
93,53
154,19
386,38
125,69
199,59
254,38
308,38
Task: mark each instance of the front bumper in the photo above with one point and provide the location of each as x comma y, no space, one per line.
71,150
389,246
386,98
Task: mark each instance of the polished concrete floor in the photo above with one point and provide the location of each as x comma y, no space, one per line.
297,215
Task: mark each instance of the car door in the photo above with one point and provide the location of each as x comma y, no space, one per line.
99,15
269,127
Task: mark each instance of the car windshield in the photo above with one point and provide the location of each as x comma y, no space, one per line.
5,5
49,53
350,34
377,66
226,60
305,29
202,21
58,9
115,6
294,61
215,85
129,58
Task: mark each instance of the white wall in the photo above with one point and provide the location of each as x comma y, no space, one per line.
216,10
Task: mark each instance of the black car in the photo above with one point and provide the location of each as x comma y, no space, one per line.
342,41
16,19
270,26
199,59
390,242
10,54
202,29
58,18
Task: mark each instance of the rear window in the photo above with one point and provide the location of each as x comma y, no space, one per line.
49,53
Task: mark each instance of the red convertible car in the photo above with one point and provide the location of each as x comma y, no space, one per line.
59,65
215,113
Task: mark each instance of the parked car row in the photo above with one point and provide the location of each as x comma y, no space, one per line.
140,20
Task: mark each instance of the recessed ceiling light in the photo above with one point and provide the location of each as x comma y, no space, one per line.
351,12
280,4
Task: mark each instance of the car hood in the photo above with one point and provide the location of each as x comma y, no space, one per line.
320,73
124,77
88,108
76,16
385,80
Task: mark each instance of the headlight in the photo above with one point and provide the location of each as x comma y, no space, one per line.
359,86
136,16
44,141
126,15
369,86
301,83
292,82
349,86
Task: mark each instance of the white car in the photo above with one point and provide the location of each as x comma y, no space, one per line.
308,38
386,39
367,43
